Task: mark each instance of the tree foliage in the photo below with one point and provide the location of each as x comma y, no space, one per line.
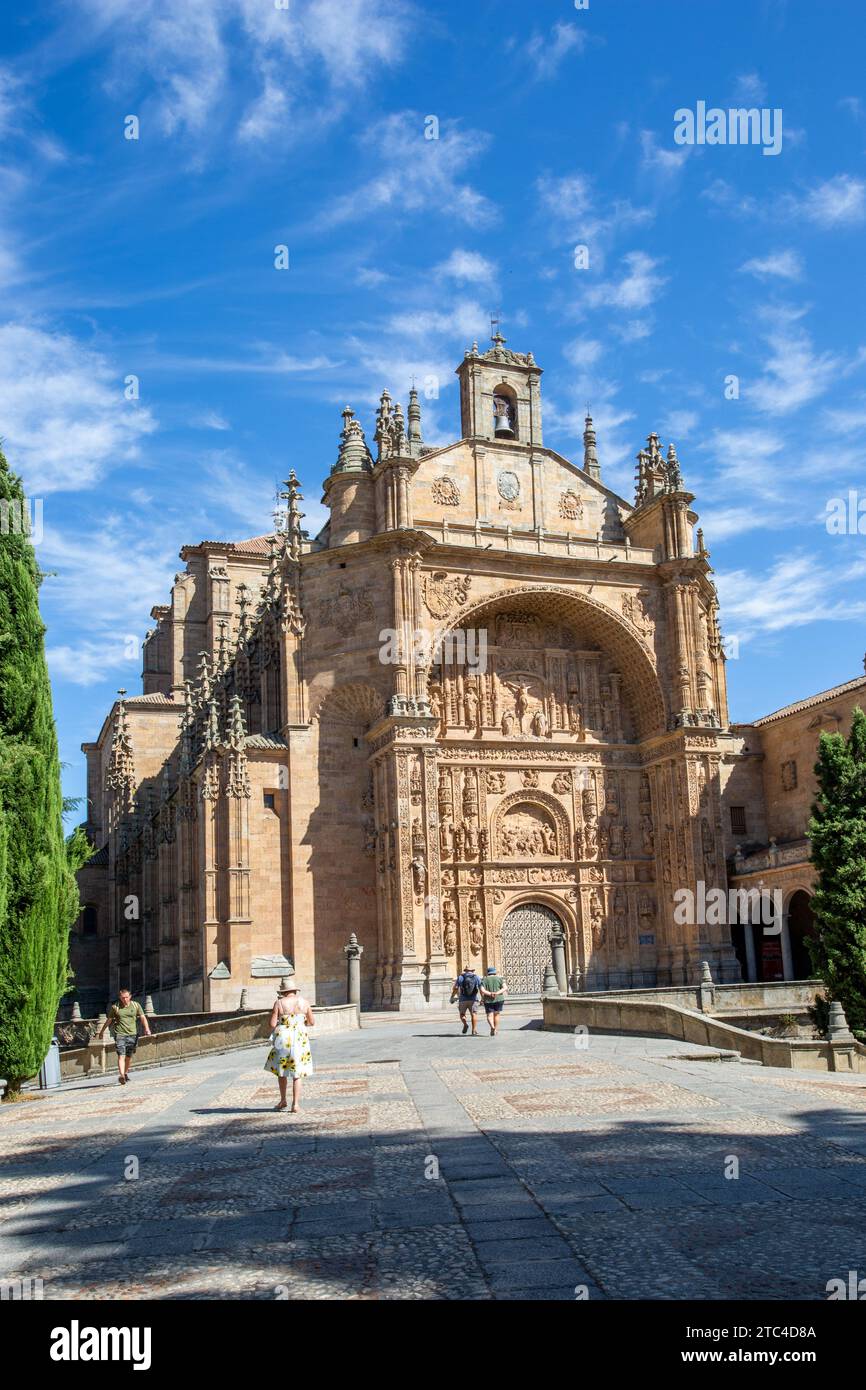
838,834
38,894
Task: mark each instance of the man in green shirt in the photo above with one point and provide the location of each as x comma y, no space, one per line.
123,1021
493,992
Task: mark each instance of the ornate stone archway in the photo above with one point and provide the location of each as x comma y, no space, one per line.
629,649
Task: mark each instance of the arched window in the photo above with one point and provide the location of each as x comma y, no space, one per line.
504,412
89,921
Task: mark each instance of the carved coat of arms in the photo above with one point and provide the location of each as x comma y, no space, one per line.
349,608
443,593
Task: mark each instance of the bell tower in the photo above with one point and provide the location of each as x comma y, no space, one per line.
500,394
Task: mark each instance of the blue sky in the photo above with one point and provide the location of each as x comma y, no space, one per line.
305,126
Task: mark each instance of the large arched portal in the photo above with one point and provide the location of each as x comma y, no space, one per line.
524,946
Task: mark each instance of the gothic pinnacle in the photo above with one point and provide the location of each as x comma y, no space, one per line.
590,456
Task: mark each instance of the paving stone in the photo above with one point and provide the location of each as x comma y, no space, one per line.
538,1274
532,1228
497,1252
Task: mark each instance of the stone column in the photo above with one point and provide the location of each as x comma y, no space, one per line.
557,950
353,953
751,962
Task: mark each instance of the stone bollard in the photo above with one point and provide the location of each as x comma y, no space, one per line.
574,980
550,987
98,1045
706,991
353,953
76,1012
556,940
838,1030
148,1006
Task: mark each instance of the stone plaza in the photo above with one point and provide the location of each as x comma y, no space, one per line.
428,1165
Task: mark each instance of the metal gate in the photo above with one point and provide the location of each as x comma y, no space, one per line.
525,948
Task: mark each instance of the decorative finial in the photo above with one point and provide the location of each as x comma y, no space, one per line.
590,455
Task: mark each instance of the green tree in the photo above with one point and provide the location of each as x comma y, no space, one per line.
838,834
38,893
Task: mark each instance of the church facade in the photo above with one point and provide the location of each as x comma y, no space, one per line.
485,706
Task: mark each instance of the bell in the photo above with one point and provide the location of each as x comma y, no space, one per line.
502,420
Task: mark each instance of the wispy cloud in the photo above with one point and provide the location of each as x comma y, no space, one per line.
575,212
798,589
780,265
411,174
546,52
837,202
637,287
63,411
191,55
467,267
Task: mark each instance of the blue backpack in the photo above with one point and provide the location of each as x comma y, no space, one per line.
469,986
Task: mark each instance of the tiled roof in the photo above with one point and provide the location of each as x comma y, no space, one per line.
257,545
265,741
155,697
818,699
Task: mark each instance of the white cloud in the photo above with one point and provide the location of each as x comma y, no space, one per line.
62,410
547,51
210,420
838,202
665,163
464,319
797,590
266,114
413,174
583,352
573,211
370,278
723,195
781,265
680,423
191,53
751,88
637,288
795,372
127,560
751,459
467,267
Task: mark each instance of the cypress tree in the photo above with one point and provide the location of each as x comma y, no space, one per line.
838,834
38,893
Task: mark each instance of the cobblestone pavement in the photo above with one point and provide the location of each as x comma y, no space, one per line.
431,1165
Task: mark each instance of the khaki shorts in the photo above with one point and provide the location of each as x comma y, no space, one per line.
469,1006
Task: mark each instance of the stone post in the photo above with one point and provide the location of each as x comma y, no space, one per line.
353,953
148,1006
243,1004
838,1030
574,980
707,993
76,1012
557,951
550,987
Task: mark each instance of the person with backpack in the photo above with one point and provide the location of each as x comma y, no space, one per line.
493,992
467,991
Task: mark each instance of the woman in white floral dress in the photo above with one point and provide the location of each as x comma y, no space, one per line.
290,1054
